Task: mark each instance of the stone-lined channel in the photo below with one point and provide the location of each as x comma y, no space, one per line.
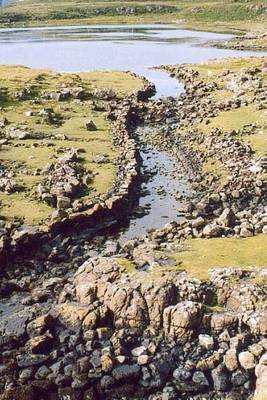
163,188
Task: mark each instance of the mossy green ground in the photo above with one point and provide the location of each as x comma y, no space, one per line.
197,256
126,265
234,120
25,157
215,15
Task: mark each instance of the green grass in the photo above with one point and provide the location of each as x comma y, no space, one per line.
258,142
126,265
23,208
26,157
197,256
228,11
215,167
218,66
122,82
236,119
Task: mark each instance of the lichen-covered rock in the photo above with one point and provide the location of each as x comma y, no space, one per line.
220,321
70,315
227,218
39,325
231,360
212,230
128,306
257,322
158,296
126,372
182,320
220,379
244,298
133,300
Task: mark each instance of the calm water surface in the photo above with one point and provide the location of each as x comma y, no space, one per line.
121,47
163,191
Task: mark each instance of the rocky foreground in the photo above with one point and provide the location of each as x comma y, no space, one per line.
85,317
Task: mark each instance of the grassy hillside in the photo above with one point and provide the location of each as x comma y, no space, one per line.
210,14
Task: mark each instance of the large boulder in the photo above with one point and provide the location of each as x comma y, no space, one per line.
93,276
221,321
246,360
220,379
126,373
158,295
183,319
257,322
132,299
70,315
213,230
244,298
227,218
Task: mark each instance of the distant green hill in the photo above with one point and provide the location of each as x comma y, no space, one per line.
220,15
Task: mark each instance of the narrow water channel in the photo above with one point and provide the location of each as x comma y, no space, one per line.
164,188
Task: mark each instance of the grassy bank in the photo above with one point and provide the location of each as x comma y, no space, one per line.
236,120
198,256
46,140
233,121
229,15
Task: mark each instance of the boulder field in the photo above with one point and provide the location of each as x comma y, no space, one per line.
106,333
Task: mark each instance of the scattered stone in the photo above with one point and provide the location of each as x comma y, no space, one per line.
247,360
206,341
90,125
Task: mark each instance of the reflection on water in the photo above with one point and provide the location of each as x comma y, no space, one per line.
158,33
117,47
102,33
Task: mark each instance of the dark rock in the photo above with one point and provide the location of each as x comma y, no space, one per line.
220,379
29,360
126,372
